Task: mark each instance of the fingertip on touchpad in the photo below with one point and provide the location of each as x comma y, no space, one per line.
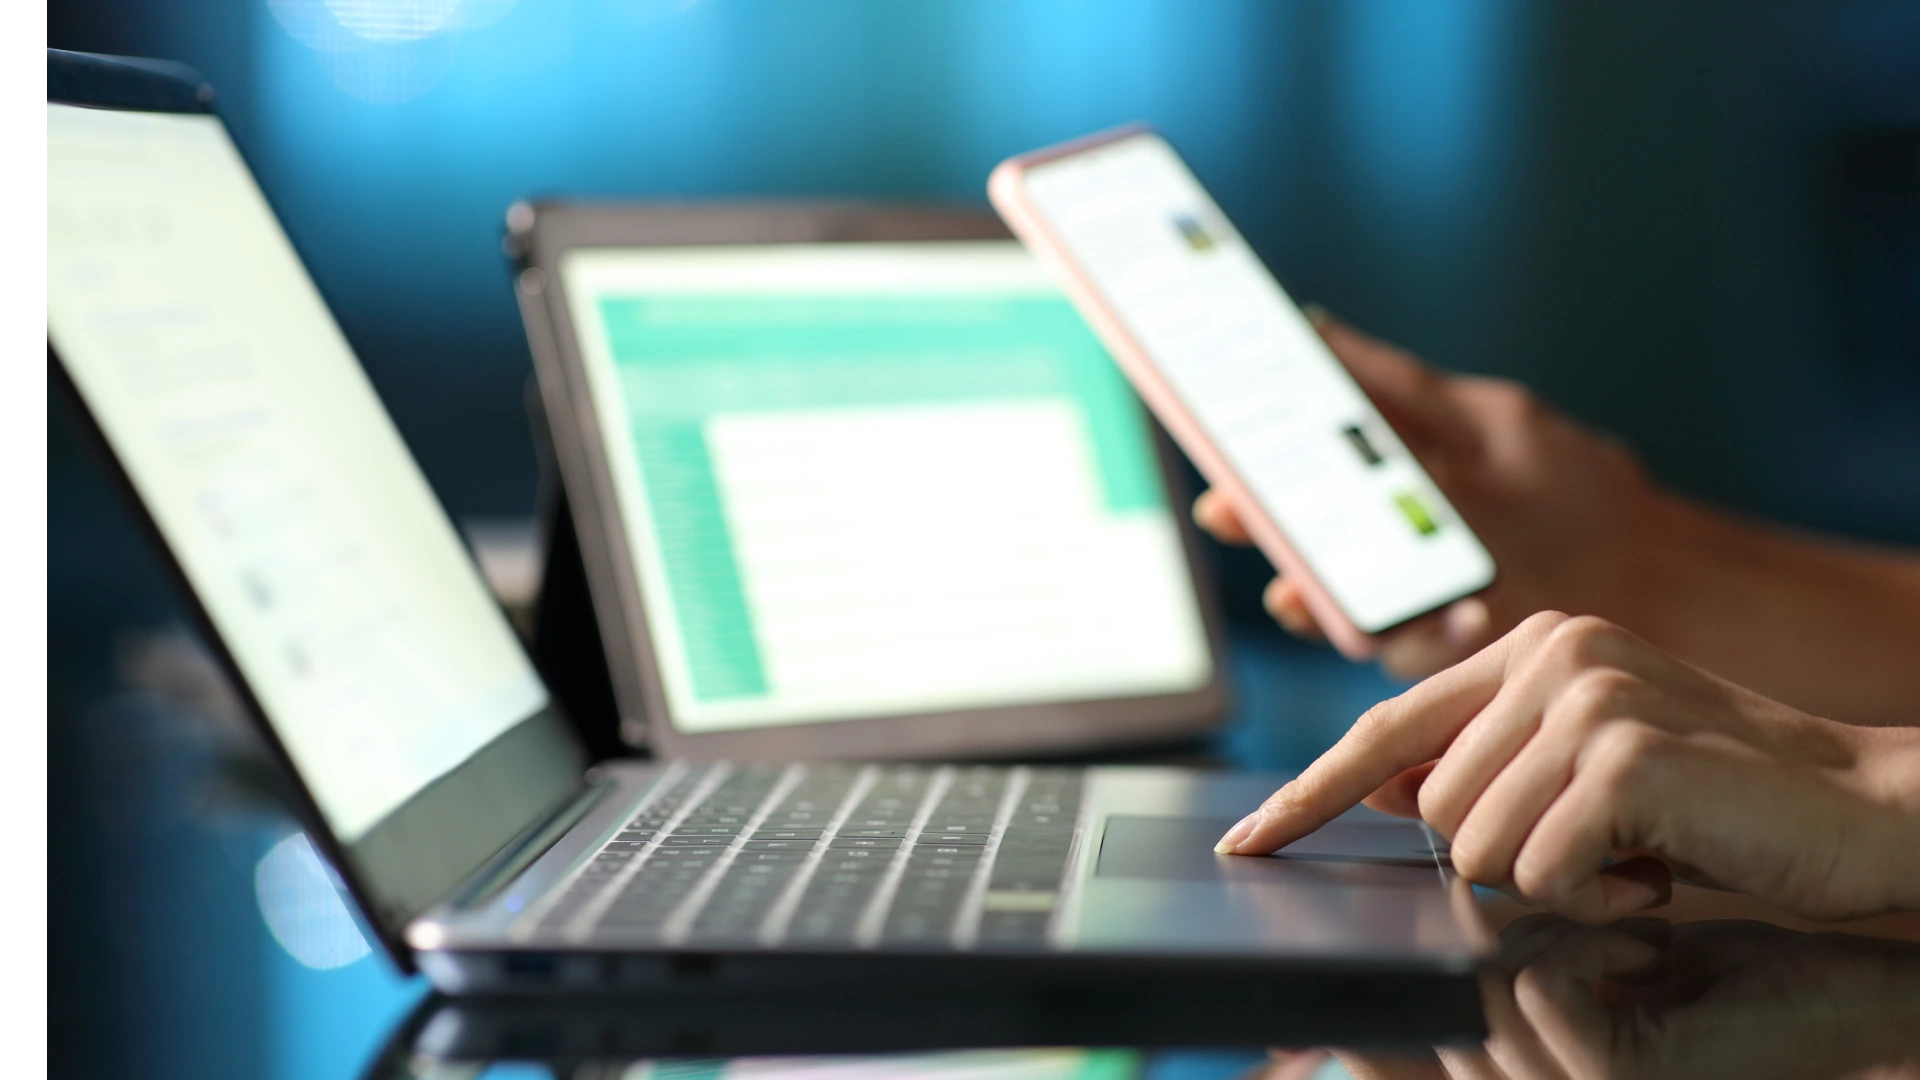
1181,848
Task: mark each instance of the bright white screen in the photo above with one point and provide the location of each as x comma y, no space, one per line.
253,437
1293,424
879,479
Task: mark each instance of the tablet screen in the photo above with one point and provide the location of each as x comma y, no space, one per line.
877,479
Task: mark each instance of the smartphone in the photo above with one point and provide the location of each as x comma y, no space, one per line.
1242,381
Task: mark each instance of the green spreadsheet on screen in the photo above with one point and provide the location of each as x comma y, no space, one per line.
873,479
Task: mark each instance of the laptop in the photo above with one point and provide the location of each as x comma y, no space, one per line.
451,795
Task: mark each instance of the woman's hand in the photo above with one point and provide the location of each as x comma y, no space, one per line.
1579,767
1561,508
1829,625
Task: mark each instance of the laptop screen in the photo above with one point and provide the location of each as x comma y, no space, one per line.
879,479
253,437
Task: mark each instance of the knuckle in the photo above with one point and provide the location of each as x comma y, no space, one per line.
1438,807
1471,858
1302,791
1582,639
1620,753
1374,724
1542,623
1535,877
1429,801
1528,641
1592,697
1531,635
1540,626
1276,805
1506,397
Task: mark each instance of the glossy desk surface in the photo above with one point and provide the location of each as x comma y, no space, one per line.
1703,990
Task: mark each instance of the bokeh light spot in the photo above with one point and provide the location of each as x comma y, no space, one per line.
303,909
395,20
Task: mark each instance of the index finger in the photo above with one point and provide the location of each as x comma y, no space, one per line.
1388,739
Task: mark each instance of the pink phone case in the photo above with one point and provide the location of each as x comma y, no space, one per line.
1007,189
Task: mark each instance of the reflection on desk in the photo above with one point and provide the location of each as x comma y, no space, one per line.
601,1035
1646,998
1044,1064
1641,998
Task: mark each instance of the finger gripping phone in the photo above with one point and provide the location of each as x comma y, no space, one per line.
1242,381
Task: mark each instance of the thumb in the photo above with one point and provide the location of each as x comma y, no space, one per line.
1416,399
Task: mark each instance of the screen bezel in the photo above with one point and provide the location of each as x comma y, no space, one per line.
1008,191
540,235
480,808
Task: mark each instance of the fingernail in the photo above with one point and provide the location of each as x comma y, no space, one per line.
1236,834
1316,314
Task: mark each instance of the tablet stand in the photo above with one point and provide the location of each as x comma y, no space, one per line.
565,639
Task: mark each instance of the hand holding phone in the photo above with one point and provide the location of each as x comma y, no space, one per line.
1233,369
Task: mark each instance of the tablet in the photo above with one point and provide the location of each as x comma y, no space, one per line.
858,482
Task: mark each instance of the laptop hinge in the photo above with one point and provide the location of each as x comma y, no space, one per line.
513,859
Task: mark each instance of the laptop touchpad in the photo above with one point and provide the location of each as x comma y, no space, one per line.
1181,848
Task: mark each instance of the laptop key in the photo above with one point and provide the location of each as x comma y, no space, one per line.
876,843
923,860
780,845
954,824
962,839
955,851
697,841
749,855
787,834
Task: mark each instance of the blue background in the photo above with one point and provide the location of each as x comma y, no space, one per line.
1642,209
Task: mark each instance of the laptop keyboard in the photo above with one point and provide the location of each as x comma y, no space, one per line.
830,857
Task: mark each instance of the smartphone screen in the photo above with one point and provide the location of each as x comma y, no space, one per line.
1323,465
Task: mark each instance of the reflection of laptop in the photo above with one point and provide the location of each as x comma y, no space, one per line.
452,797
858,482
458,1038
